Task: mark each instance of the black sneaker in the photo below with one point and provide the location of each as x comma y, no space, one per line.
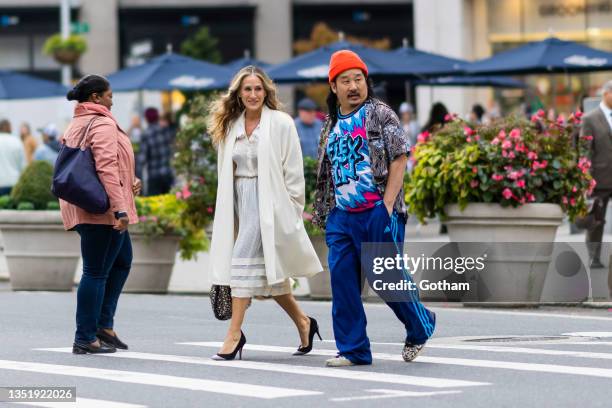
411,351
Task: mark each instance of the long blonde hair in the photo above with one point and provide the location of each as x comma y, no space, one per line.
228,107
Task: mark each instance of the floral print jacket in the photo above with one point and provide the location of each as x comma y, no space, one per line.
386,141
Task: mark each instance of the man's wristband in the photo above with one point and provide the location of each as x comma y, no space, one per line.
120,214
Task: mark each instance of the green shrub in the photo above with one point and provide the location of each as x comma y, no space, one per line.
34,186
53,205
6,202
25,206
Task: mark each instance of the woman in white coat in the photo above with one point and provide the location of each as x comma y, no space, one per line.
259,240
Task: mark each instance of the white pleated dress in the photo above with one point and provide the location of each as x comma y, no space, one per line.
248,273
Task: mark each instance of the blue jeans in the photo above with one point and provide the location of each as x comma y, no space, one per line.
345,234
107,259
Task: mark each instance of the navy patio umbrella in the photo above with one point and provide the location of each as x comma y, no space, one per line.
14,85
314,65
480,81
421,63
548,56
171,71
237,64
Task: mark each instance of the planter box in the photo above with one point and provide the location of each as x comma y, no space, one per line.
39,253
513,273
320,285
152,263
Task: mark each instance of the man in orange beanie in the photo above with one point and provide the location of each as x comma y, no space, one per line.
363,152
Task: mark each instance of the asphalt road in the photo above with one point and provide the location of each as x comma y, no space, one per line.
559,357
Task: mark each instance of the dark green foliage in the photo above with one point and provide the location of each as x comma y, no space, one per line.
34,186
202,46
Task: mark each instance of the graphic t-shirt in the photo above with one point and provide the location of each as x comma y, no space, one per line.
348,152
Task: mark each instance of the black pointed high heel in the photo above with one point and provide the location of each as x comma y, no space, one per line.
314,329
237,350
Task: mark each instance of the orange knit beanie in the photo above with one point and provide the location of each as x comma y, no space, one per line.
343,60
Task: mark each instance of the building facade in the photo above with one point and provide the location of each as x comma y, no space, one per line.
124,32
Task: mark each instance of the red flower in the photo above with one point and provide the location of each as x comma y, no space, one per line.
497,177
530,197
474,183
578,114
541,113
423,137
520,184
209,210
589,138
474,169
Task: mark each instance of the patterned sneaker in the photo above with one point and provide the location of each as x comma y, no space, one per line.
339,361
411,351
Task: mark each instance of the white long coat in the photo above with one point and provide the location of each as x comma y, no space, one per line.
288,251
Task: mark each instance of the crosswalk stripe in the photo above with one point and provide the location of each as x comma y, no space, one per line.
535,367
295,369
510,349
382,393
473,311
82,403
195,384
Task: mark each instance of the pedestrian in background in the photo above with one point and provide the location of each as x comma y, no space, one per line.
50,147
409,123
597,124
258,239
308,127
29,142
437,117
155,155
477,114
360,199
135,130
12,158
106,247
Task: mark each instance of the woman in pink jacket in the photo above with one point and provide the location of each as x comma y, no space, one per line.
105,242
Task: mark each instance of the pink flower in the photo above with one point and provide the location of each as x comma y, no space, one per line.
477,138
448,117
497,177
504,153
515,134
474,169
495,142
185,192
507,193
468,131
423,137
522,200
541,113
515,175
560,119
307,216
543,164
474,183
564,200
574,189
532,156
511,155
178,195
142,218
534,118
154,218
588,138
530,197
578,114
572,201
520,183
502,134
209,210
592,185
468,139
507,144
